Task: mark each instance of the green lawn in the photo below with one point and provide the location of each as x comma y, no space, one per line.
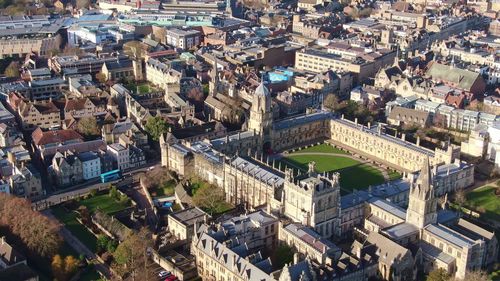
323,163
393,175
486,198
325,148
353,174
76,228
105,204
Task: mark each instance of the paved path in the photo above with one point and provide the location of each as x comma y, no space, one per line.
383,171
80,248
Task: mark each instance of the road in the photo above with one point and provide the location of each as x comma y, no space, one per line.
82,189
81,249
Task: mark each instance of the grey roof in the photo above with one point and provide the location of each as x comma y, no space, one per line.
218,143
302,119
400,230
46,82
189,216
389,207
446,216
390,250
88,156
242,223
435,253
449,235
312,238
230,260
259,172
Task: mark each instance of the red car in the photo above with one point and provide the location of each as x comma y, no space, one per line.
171,278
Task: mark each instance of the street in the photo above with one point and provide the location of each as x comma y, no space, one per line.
84,188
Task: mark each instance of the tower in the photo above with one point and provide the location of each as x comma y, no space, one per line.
422,207
261,116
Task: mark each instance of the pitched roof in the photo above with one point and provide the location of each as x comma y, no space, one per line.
462,78
76,104
387,249
58,136
8,254
408,114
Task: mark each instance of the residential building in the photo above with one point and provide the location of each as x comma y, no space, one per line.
66,169
120,155
91,164
26,181
9,256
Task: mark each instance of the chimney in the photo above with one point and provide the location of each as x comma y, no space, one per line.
295,258
356,121
418,141
403,136
2,240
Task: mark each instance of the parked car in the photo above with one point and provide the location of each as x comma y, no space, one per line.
164,273
171,278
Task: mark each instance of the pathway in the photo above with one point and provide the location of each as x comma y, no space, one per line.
383,171
80,248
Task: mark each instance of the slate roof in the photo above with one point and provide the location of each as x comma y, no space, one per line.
8,254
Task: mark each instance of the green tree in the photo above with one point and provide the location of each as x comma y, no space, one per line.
155,127
209,198
438,275
88,127
102,243
12,70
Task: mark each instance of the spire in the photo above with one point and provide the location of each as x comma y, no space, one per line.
423,187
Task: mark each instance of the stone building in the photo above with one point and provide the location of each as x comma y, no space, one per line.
66,169
313,200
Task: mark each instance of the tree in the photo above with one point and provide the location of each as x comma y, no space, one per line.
37,233
438,275
12,70
102,243
64,269
155,127
331,102
477,275
131,257
88,127
209,197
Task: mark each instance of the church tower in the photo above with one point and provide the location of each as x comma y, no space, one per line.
261,116
422,207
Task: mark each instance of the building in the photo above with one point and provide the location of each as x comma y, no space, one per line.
43,114
24,35
313,200
120,155
362,65
9,256
309,243
83,107
91,165
409,117
26,181
122,70
182,224
458,78
183,39
66,169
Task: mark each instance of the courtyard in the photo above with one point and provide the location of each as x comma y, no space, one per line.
354,173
